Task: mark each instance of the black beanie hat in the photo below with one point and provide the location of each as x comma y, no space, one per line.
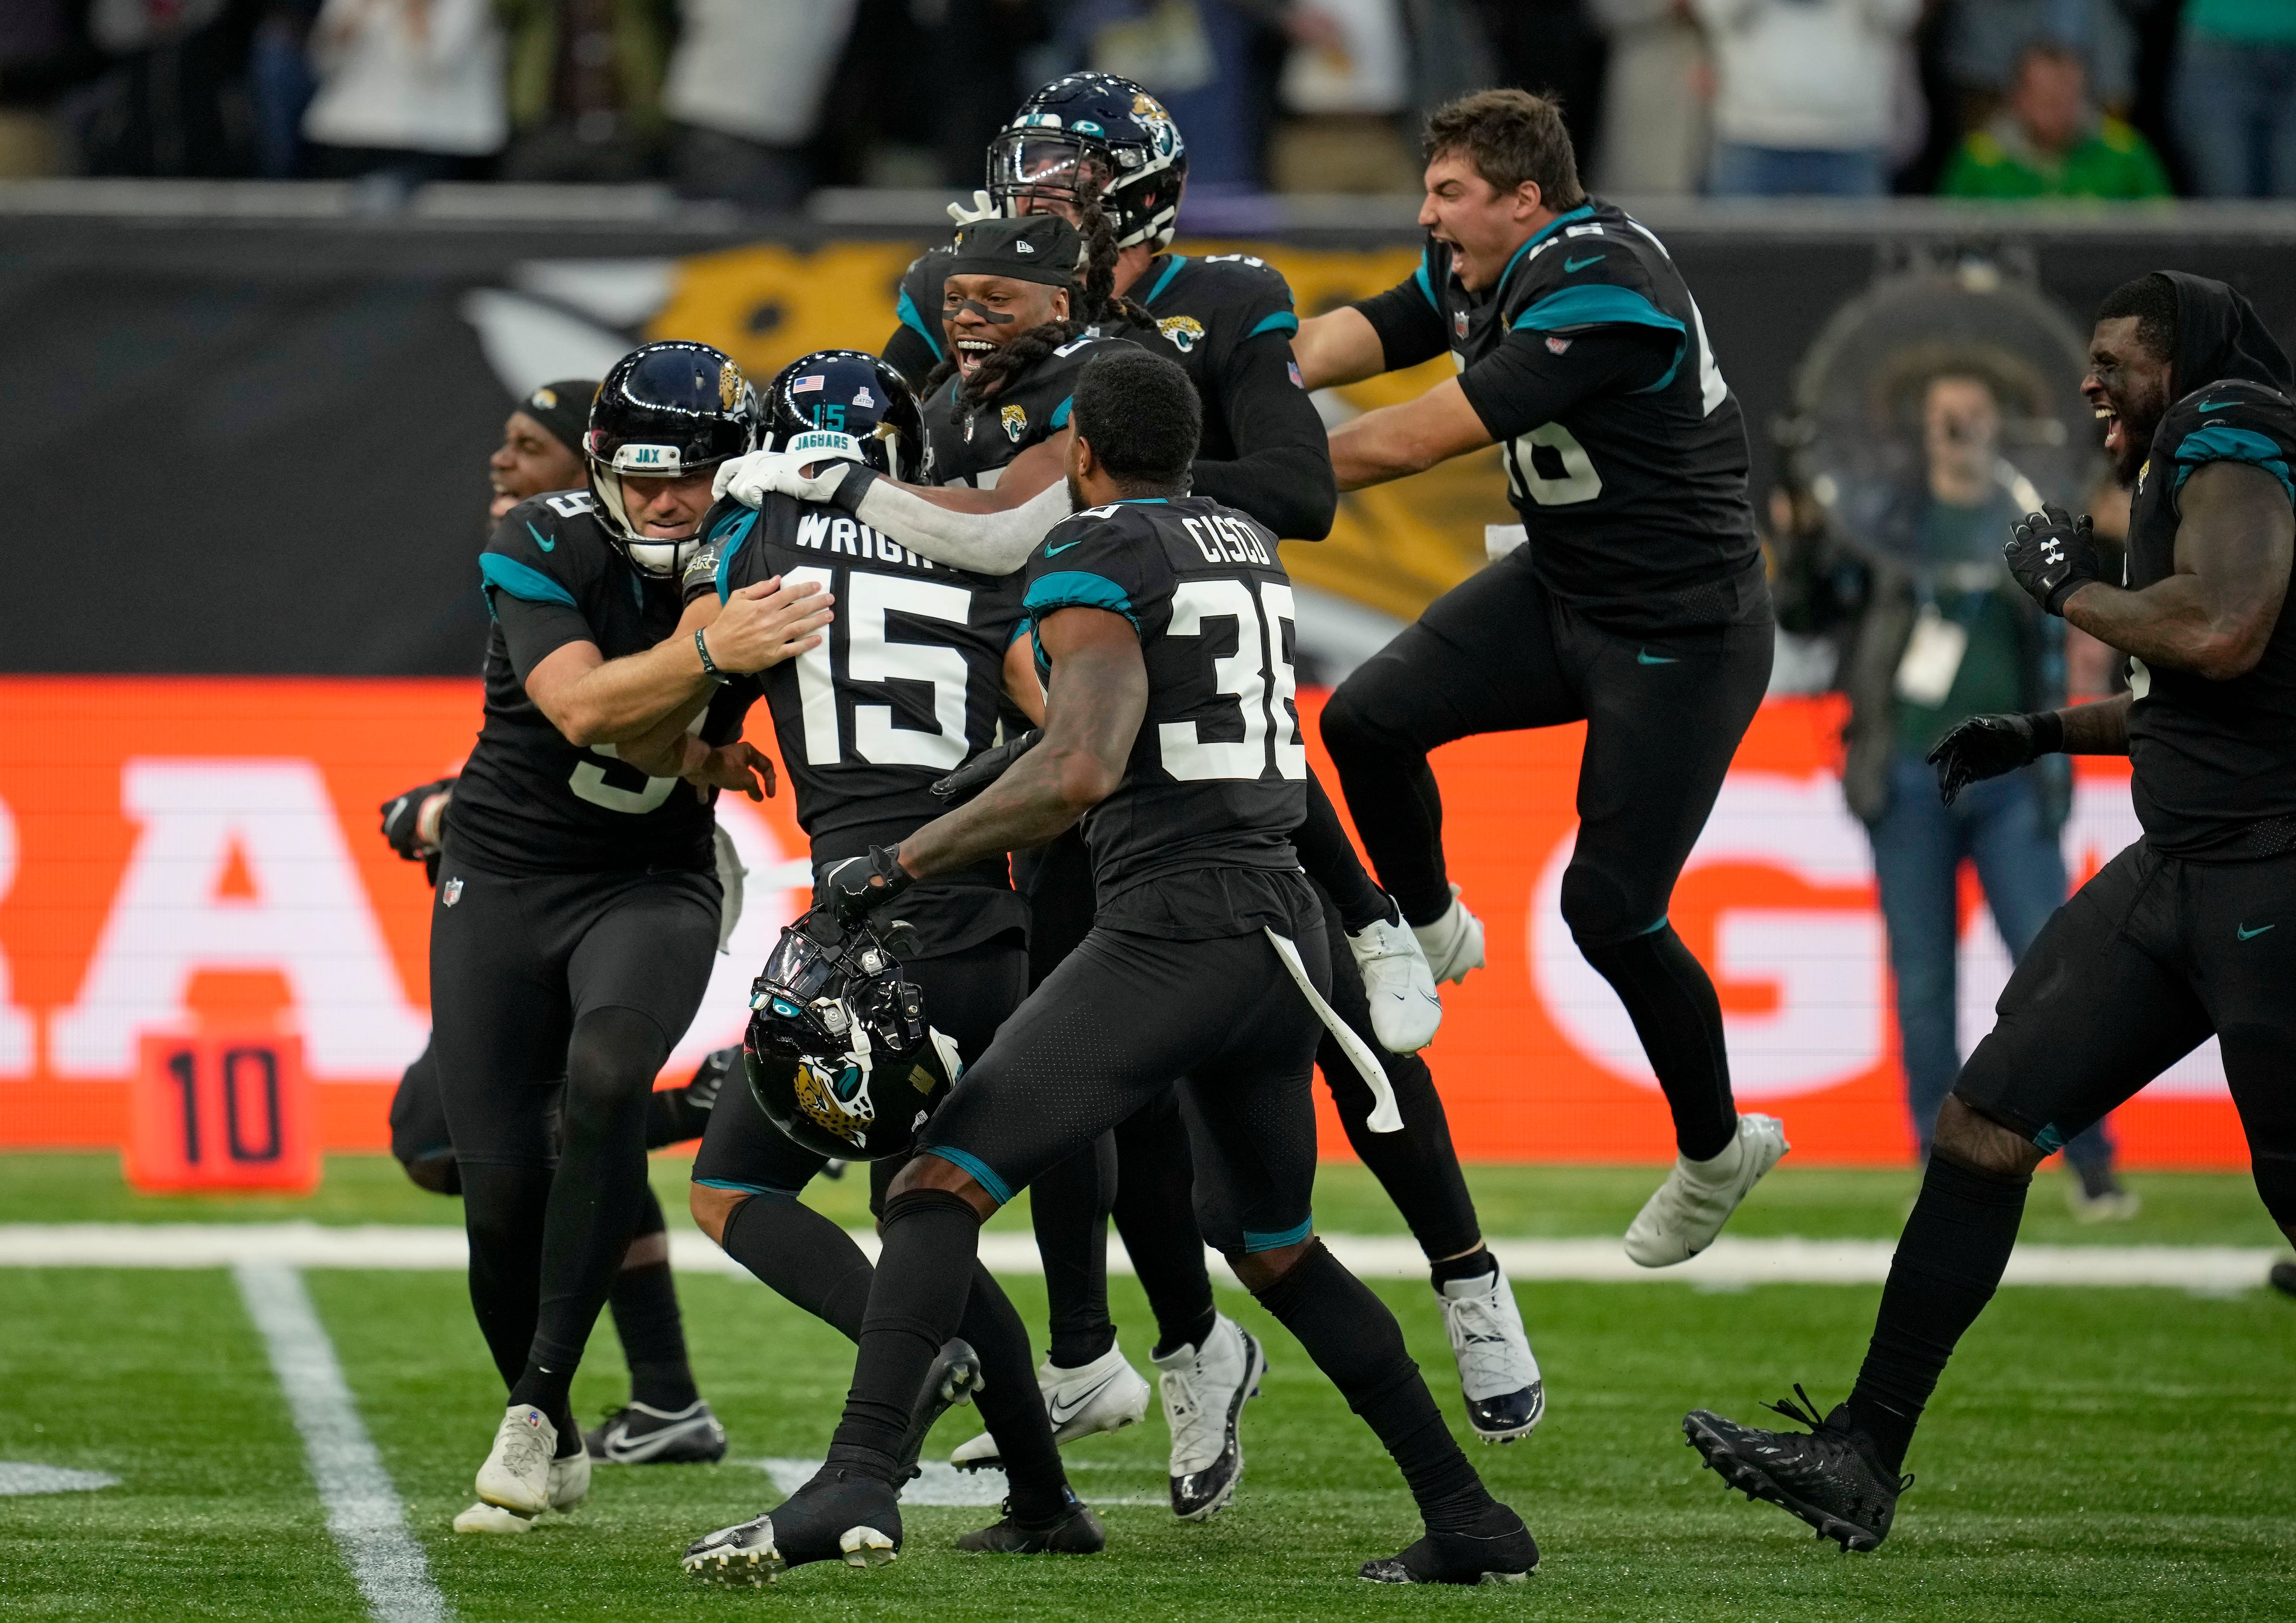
563,409
1042,248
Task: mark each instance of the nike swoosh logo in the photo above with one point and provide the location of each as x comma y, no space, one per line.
2247,934
1578,265
547,546
2215,406
1055,551
1647,658
1064,1412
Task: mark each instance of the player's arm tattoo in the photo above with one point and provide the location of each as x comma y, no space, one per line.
1398,440
2214,616
2101,728
1093,711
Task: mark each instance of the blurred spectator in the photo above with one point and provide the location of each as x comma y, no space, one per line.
1985,42
1944,636
1553,47
280,82
168,95
2051,141
408,89
1347,76
42,49
2236,96
585,79
1209,62
1804,94
746,85
1451,54
1656,100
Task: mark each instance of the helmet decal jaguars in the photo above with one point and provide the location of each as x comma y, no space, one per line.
1015,421
837,1099
731,384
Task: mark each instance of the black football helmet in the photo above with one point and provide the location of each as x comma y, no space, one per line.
1095,129
839,1055
665,409
851,393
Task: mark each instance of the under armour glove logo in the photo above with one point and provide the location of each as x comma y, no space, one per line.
2053,556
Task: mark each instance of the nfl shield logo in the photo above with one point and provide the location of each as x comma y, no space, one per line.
453,892
1459,323
1558,345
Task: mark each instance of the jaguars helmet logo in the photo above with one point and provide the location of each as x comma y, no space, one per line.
1161,131
731,386
1015,421
1185,331
837,1102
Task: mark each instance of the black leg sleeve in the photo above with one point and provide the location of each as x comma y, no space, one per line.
1009,1402
804,1256
1068,1206
925,1279
503,1211
643,1301
1672,1004
1355,1341
1156,1214
1949,1262
1331,861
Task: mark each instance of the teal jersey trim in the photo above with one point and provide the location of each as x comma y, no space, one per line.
1268,1243
1021,628
911,318
1076,589
522,581
1283,320
1589,305
1426,286
1060,412
998,1189
1536,238
2216,443
741,529
769,1190
1165,281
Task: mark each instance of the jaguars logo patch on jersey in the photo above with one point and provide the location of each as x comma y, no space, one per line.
1015,421
1185,331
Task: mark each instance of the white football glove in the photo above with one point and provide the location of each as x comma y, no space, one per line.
746,479
984,207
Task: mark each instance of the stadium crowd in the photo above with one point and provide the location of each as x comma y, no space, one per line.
758,102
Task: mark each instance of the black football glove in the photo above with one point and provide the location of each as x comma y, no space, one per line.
402,814
2053,556
984,768
856,888
1986,746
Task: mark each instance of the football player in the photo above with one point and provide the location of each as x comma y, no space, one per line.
577,907
909,684
1206,961
1637,604
2188,933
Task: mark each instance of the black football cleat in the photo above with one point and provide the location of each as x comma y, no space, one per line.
1075,1531
841,1515
953,1379
639,1434
1498,1550
1827,1476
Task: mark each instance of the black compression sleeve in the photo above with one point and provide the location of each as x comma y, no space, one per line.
1410,328
1524,382
1325,853
1282,473
907,353
533,631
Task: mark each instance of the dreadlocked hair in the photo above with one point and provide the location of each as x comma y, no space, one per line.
1095,303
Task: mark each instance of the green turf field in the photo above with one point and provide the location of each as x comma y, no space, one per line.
2107,1453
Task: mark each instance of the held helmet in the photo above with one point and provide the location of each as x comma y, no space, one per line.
839,1055
665,409
847,403
1095,129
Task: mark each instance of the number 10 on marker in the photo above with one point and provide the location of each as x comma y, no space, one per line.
222,1111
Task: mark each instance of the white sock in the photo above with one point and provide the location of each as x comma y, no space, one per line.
1722,1167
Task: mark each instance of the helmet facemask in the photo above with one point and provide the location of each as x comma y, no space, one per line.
661,556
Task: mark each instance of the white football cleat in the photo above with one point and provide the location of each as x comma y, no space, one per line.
1498,1373
1105,1395
1454,943
516,1475
484,1518
1398,985
570,1480
1698,1197
1204,1391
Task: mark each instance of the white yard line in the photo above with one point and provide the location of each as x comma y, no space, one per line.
364,1512
1731,1265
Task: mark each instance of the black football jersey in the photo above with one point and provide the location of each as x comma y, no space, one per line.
2211,757
1218,776
1205,306
973,448
529,802
1637,496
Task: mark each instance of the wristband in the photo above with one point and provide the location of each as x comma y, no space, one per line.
708,666
2048,732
